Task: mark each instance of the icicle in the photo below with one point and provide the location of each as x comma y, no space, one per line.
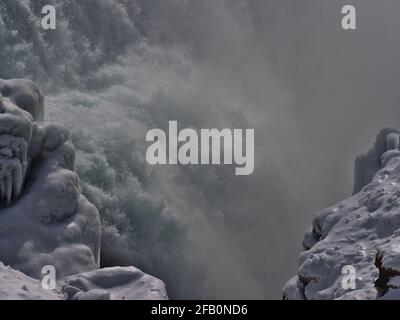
17,179
9,187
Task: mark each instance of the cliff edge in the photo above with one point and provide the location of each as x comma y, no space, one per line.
352,250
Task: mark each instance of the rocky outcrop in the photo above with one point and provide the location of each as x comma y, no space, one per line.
362,232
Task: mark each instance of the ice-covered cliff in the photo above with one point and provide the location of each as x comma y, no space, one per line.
358,237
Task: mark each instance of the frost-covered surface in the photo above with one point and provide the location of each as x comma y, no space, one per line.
44,218
118,283
362,231
15,285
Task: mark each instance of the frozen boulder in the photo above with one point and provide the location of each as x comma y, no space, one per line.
15,285
118,283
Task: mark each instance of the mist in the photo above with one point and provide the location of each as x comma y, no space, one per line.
315,94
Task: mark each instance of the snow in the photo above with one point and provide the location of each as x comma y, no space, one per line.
117,283
394,282
15,285
362,231
44,218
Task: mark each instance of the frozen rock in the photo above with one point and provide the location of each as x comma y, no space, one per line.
15,285
366,165
362,232
118,283
44,218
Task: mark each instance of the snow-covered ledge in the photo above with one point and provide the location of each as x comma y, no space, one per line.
358,237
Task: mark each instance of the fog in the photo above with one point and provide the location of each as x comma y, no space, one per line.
315,94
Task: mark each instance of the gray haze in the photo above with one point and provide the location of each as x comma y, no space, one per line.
315,94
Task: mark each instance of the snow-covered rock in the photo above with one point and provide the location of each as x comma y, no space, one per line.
362,232
15,285
118,283
44,218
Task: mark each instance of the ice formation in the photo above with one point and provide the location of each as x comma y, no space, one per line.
21,103
117,283
14,285
44,218
362,232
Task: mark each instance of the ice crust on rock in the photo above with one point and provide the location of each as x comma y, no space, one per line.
117,283
14,285
44,218
362,231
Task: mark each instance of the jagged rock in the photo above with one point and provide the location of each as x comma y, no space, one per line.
362,231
